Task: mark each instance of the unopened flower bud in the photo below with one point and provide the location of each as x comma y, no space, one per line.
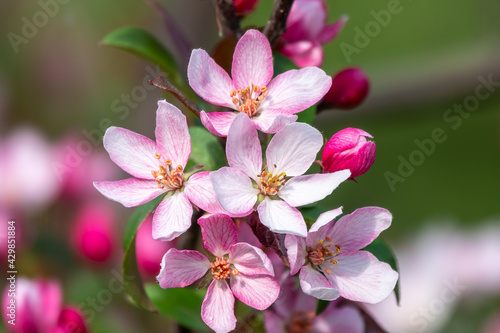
349,89
243,7
349,149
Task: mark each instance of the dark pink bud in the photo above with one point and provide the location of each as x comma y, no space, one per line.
243,7
70,321
349,89
94,232
349,149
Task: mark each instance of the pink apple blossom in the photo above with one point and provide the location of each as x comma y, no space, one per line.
349,89
278,187
295,312
349,149
307,30
269,104
70,321
243,7
246,268
331,262
158,169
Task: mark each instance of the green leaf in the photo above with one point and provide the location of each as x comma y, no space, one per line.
307,116
384,253
206,149
322,305
144,44
130,272
181,304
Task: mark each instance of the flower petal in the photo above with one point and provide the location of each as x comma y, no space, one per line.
172,136
345,319
304,53
332,30
315,284
273,323
182,268
209,80
172,217
280,217
304,190
250,260
217,123
296,251
234,191
130,192
296,90
361,277
132,152
322,226
293,149
252,61
217,310
358,229
201,193
243,146
257,291
219,233
269,122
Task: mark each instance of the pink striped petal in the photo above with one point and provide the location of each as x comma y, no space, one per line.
217,123
346,319
269,122
129,192
217,310
250,260
297,90
182,268
201,193
172,217
332,30
296,251
315,284
209,80
219,233
322,226
243,147
132,152
304,53
304,190
361,277
280,217
252,60
293,149
257,291
358,229
172,136
234,191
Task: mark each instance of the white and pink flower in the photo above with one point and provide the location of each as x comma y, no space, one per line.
331,262
269,104
248,269
278,187
158,169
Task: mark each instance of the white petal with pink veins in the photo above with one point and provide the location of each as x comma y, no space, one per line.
322,226
219,233
280,217
257,291
182,268
201,193
172,217
250,260
129,192
217,123
315,284
296,251
172,136
293,149
269,122
217,310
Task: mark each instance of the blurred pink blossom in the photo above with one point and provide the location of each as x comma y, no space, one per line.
244,7
307,31
349,89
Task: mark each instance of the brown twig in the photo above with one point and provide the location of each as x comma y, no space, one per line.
225,8
164,84
276,25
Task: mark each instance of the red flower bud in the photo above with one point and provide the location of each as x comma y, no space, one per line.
243,7
349,149
349,89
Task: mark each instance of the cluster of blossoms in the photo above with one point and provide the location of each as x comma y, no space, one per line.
330,259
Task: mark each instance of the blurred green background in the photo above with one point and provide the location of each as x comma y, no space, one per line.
428,58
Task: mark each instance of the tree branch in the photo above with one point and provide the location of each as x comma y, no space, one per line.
276,25
164,84
225,9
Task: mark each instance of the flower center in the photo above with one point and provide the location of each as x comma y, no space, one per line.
270,184
301,322
248,100
168,176
221,269
324,251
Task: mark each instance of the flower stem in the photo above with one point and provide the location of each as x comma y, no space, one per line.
164,84
225,8
276,25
